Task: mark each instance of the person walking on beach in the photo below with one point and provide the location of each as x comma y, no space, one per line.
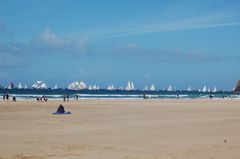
67,97
211,96
7,96
4,96
76,97
64,97
14,99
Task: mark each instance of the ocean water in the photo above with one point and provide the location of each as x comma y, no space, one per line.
57,94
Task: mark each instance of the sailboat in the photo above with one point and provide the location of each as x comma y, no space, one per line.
152,88
111,87
130,86
214,89
146,88
77,86
204,89
169,88
90,87
95,87
25,86
189,89
20,86
39,85
55,87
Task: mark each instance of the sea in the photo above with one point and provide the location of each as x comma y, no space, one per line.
58,94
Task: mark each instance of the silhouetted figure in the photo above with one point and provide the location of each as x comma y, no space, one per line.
144,96
67,97
211,96
177,96
64,97
76,97
14,99
223,96
4,96
60,109
7,96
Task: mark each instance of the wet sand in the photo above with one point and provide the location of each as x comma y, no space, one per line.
121,129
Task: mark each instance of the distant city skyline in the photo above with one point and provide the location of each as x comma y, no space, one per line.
188,43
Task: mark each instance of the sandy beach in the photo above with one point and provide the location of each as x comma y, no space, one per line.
121,129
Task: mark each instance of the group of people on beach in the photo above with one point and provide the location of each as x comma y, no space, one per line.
42,99
66,97
177,96
7,96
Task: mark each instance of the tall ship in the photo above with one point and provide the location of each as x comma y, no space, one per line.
39,85
152,88
204,89
20,86
169,89
130,86
77,86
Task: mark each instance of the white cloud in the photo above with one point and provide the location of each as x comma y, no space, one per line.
207,20
50,39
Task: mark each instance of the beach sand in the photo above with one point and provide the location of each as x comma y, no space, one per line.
121,129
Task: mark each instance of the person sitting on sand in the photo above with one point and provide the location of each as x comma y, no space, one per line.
60,109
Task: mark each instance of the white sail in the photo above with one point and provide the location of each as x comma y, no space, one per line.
128,88
20,86
204,89
55,87
39,85
25,86
44,86
121,88
11,85
132,86
189,89
169,88
111,87
95,87
77,86
90,87
146,88
152,88
215,89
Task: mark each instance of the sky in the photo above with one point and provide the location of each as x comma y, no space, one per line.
188,43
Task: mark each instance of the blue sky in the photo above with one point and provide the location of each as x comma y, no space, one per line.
191,42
